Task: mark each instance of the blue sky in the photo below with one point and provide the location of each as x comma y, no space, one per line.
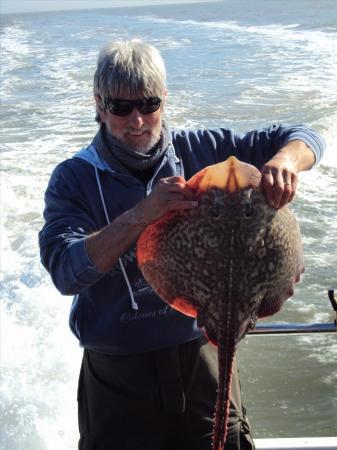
20,6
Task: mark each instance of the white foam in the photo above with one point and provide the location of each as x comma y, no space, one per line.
15,41
323,347
300,70
40,357
274,32
40,364
328,129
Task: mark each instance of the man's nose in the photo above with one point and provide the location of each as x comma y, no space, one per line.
136,118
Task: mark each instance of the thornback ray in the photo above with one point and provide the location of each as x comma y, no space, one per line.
227,262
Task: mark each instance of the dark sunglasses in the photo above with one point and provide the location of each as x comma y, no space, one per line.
121,107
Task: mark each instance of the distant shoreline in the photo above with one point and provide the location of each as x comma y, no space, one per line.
71,5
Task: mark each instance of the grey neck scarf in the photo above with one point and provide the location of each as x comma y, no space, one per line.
117,154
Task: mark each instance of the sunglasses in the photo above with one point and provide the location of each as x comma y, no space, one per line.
121,107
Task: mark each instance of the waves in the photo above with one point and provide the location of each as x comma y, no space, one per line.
221,72
291,72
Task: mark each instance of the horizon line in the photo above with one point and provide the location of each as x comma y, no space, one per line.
120,6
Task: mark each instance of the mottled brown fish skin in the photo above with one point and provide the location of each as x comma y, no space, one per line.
227,262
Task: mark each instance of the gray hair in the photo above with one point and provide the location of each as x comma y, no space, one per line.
129,68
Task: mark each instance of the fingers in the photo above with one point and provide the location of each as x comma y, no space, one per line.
289,190
172,181
268,187
279,186
180,205
174,184
176,200
294,184
169,194
172,197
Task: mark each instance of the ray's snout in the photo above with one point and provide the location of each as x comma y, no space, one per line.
230,176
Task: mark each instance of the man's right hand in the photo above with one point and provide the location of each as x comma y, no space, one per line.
105,246
169,194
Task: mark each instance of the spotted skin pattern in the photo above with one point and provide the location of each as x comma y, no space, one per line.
227,262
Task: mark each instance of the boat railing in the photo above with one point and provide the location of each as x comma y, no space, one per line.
309,443
315,443
299,328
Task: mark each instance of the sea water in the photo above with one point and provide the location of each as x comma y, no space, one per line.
241,64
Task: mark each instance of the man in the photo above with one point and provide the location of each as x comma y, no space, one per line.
148,378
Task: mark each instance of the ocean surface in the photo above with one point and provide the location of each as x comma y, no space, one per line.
241,64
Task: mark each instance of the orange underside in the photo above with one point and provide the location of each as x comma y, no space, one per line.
182,305
147,245
231,176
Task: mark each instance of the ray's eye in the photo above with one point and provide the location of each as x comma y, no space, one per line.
249,210
216,210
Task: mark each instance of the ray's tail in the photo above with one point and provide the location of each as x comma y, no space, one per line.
226,352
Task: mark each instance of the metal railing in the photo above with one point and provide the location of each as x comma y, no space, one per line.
313,443
299,328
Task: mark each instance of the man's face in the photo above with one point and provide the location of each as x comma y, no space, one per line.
138,131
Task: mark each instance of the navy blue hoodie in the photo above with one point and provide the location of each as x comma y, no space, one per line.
118,313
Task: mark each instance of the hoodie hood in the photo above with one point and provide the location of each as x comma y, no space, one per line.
91,155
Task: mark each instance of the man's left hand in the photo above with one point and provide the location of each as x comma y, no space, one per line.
279,181
279,175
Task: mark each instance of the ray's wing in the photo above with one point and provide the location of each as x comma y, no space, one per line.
177,253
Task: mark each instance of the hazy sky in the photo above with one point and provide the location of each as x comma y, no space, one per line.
17,6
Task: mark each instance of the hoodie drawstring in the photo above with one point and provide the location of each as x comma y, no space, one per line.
133,302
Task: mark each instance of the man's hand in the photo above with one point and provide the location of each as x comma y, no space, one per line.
279,180
279,175
169,194
105,246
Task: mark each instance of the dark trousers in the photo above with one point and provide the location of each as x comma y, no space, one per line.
158,400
